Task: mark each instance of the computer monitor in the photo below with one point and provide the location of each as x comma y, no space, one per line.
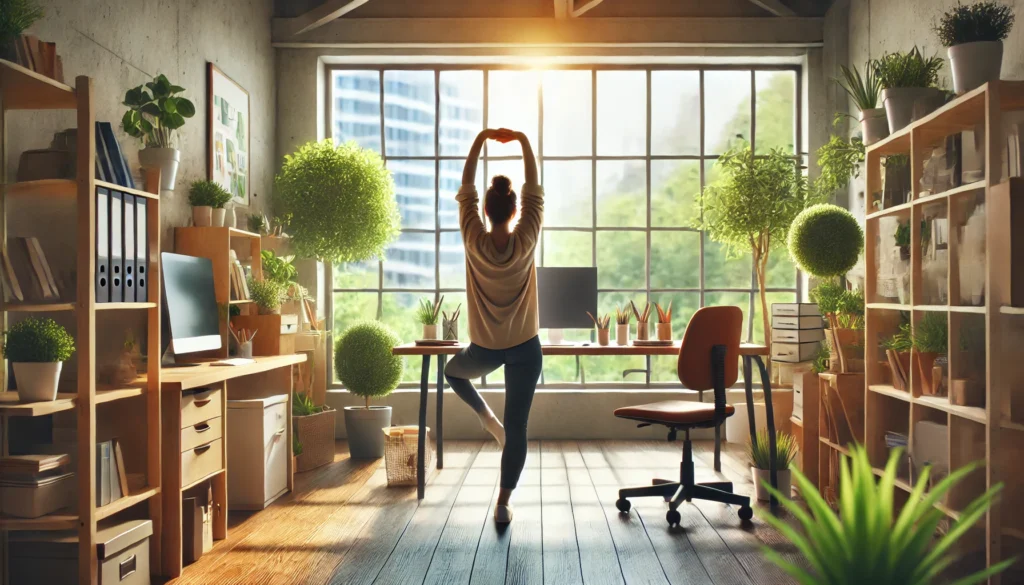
565,295
191,321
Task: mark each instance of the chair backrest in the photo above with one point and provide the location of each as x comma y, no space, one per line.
710,326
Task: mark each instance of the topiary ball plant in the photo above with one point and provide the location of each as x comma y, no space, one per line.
341,200
38,341
825,240
363,360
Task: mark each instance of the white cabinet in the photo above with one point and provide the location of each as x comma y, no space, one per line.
258,451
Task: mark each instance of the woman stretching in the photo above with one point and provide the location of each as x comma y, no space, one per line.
501,297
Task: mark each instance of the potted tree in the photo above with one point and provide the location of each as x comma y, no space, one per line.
314,432
906,78
207,199
760,458
931,342
365,365
37,349
18,15
155,111
864,93
974,35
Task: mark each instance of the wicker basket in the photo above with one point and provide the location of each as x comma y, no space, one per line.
316,433
401,447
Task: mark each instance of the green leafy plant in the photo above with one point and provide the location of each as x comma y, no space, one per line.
825,241
843,308
303,405
296,446
428,312
820,364
202,193
910,69
931,334
278,268
839,161
155,112
868,541
902,235
751,208
257,223
901,341
15,17
267,294
982,21
850,313
363,360
862,90
39,341
341,199
759,450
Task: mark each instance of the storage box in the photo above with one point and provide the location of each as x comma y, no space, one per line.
794,322
794,352
797,335
795,310
259,451
269,338
32,498
52,557
401,453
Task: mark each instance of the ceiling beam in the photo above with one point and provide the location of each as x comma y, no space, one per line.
581,7
321,15
776,7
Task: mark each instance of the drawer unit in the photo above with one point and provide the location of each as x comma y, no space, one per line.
259,450
201,461
200,405
201,433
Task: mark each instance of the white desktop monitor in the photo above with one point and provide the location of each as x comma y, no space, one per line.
191,318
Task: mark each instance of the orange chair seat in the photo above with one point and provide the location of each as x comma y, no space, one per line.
673,412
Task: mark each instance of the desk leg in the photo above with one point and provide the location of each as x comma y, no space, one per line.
220,506
769,412
421,472
748,386
439,433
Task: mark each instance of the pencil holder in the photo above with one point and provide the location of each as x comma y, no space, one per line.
643,331
665,331
603,337
622,334
451,329
245,350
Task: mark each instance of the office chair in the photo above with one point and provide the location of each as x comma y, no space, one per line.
708,359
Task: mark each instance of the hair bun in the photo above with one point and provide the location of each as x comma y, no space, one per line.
501,184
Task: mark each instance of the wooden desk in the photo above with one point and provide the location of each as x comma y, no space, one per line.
267,376
749,352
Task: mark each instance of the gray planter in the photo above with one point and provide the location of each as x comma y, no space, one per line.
899,104
975,64
874,125
166,159
365,437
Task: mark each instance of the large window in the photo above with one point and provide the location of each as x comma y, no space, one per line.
622,154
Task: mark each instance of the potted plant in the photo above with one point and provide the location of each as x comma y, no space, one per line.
601,323
314,432
341,200
37,349
974,35
759,452
897,350
257,223
902,239
365,365
18,15
752,207
267,294
622,318
427,314
207,199
664,325
296,451
906,78
930,342
155,111
844,311
864,93
875,541
840,161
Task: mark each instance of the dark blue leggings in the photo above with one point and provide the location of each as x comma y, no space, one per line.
522,370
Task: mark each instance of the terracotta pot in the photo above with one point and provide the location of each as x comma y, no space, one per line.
665,331
975,64
874,125
925,367
202,216
266,311
643,331
602,337
622,334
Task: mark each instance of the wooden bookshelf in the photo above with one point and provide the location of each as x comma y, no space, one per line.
992,428
135,408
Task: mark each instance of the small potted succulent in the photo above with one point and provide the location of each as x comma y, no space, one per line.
863,90
37,349
428,314
601,322
759,452
974,34
207,199
931,342
907,78
155,111
267,294
622,318
366,367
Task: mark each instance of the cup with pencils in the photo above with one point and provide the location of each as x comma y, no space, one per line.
243,340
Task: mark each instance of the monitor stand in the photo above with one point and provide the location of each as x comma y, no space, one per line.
168,361
555,337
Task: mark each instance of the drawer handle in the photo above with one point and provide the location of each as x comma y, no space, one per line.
278,434
126,567
202,402
202,427
201,449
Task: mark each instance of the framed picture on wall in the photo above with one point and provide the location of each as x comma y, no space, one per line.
227,138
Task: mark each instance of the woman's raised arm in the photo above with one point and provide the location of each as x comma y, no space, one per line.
469,171
529,161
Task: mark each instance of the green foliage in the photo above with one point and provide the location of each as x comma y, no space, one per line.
428,312
363,360
931,334
341,199
820,364
207,193
303,405
257,223
910,69
234,310
902,235
38,340
296,446
870,540
16,16
827,295
839,161
155,114
278,268
759,450
901,341
825,240
267,294
983,21
863,90
850,312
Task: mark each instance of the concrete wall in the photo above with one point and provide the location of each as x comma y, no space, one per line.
123,44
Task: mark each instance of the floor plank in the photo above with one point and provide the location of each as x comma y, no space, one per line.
493,549
561,551
526,552
598,558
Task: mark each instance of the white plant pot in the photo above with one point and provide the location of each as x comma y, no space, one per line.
784,477
230,218
975,64
37,381
429,332
218,216
165,159
363,427
622,334
899,104
874,125
202,216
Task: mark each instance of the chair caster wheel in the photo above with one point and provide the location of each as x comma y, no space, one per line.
673,517
623,505
746,513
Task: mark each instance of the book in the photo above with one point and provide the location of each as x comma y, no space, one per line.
34,242
37,57
122,475
105,170
794,352
899,382
11,279
32,464
797,335
48,52
37,269
58,69
787,322
115,158
795,310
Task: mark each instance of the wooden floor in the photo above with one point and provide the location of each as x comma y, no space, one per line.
343,525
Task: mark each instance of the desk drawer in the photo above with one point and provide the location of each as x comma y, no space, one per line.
201,433
201,405
201,461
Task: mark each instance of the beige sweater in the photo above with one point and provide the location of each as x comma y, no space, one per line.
501,287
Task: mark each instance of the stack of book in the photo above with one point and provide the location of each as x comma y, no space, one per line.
27,275
35,485
111,165
111,478
239,278
39,56
797,332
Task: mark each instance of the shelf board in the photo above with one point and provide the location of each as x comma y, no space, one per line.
905,486
1008,310
889,390
38,307
55,521
125,502
968,188
43,188
27,90
123,306
889,306
967,309
241,301
975,413
11,406
202,479
1013,426
842,450
890,210
935,308
796,421
237,233
123,189
1013,532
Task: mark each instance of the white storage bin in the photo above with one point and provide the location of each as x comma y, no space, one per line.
258,451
